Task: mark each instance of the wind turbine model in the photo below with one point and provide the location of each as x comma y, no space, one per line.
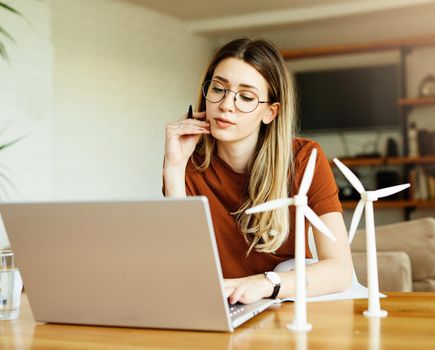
367,199
302,211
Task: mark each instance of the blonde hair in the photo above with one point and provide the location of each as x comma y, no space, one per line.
272,161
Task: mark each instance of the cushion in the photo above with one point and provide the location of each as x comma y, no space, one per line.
427,285
415,237
394,270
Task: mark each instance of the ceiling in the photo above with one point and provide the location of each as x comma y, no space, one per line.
195,10
223,16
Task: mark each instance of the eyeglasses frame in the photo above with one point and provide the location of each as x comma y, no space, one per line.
235,95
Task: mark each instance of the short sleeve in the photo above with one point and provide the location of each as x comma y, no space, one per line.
323,192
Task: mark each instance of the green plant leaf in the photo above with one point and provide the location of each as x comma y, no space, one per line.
5,33
11,9
8,144
3,52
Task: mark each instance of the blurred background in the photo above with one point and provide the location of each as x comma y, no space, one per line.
92,83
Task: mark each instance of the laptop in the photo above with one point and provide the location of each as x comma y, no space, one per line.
133,263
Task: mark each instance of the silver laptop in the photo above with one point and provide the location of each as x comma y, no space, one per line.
147,263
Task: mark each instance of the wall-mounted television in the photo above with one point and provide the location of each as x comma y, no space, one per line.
348,99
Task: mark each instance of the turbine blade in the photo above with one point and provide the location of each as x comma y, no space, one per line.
388,191
355,220
350,176
318,223
308,174
270,205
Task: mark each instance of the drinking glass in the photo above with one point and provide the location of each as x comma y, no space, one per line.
10,286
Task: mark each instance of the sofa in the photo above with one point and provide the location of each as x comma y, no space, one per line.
405,255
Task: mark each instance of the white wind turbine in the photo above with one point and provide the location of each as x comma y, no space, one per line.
366,201
300,201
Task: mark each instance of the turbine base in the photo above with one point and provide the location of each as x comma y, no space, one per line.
299,327
379,313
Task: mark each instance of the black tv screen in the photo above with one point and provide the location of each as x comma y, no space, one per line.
344,99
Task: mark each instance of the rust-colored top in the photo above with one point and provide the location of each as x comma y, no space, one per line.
224,189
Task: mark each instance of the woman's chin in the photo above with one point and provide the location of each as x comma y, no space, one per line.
221,135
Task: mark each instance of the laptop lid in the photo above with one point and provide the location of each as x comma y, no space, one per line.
145,263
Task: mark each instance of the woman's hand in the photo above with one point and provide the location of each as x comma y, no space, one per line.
248,289
182,137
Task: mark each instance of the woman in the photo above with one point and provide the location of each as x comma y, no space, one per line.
239,151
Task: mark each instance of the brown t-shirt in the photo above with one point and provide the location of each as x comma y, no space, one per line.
224,187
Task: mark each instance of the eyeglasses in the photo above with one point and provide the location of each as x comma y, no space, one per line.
245,101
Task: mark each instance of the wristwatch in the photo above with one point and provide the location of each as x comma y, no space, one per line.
274,278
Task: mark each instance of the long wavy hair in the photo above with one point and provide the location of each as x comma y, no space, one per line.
271,167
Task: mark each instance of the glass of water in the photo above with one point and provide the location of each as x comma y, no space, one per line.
10,286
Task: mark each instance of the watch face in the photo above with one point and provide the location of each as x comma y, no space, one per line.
273,277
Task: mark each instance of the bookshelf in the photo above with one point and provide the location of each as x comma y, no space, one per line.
405,103
394,204
345,49
417,101
381,161
409,203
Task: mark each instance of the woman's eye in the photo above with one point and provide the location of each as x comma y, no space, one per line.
217,90
247,98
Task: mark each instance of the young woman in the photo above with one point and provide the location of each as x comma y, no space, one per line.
238,150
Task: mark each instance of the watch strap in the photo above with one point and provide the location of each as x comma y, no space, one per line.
276,287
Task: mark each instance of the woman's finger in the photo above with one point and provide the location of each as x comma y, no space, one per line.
181,129
185,123
229,291
237,294
189,131
198,115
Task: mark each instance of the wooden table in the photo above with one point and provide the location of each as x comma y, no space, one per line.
336,325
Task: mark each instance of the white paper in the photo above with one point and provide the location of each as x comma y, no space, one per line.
356,291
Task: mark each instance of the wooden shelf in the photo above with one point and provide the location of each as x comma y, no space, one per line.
360,162
417,101
394,204
357,48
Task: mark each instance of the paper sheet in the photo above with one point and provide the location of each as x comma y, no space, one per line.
356,291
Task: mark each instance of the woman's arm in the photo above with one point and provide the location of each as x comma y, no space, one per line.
333,272
181,138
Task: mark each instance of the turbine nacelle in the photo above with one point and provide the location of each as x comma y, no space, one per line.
369,196
300,200
366,196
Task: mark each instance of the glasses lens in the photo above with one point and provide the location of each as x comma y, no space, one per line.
213,91
246,101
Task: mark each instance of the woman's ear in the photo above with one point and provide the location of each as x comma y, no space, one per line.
271,113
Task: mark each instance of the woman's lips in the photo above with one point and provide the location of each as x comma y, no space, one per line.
223,123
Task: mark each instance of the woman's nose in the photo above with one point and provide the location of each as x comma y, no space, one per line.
228,102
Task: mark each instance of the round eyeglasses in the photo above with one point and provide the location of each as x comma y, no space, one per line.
245,101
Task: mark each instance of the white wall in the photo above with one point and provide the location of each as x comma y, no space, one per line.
93,83
121,72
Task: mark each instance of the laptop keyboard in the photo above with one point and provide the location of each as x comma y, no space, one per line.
236,309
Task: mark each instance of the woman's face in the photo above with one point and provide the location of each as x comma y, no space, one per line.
227,123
